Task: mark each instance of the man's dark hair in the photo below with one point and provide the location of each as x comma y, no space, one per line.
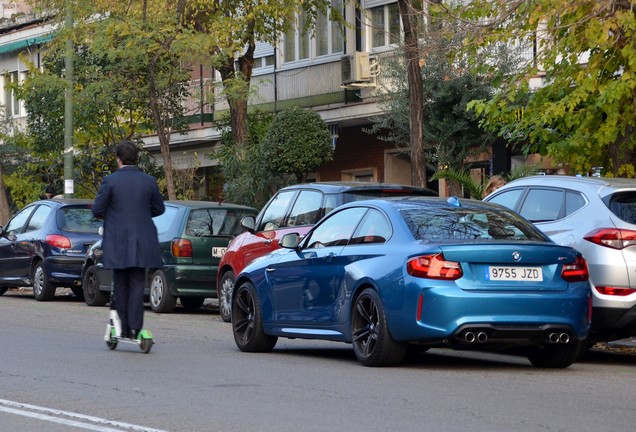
127,152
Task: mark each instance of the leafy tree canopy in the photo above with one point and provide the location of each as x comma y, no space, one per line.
298,142
584,114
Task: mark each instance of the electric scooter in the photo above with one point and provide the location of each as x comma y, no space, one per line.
113,333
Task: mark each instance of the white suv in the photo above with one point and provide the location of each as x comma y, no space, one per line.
597,216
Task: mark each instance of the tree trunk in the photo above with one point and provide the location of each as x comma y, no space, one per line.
5,211
164,141
416,92
238,102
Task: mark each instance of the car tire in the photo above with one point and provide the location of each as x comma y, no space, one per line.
556,355
226,286
247,321
3,290
372,342
192,303
161,300
90,286
43,289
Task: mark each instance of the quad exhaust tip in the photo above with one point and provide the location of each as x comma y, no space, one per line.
471,337
559,338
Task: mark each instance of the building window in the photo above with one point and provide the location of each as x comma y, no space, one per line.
297,43
328,38
385,25
361,175
264,62
11,101
329,35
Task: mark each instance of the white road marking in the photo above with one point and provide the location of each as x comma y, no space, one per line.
70,418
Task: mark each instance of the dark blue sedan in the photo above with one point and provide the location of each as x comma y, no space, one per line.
44,244
384,274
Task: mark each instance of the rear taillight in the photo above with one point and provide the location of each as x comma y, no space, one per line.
612,237
182,248
614,291
434,267
577,271
58,241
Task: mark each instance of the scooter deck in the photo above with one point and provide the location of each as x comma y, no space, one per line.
144,339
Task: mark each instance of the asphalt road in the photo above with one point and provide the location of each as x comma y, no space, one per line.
57,374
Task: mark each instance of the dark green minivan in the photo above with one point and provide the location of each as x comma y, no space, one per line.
193,236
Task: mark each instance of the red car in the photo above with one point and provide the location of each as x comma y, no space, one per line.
293,209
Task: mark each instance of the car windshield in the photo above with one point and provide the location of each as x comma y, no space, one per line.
623,205
437,223
78,219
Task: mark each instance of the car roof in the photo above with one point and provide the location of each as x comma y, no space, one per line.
361,187
598,182
207,204
68,201
427,201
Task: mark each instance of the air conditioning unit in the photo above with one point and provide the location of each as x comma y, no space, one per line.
355,67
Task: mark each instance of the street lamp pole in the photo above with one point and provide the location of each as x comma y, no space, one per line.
69,187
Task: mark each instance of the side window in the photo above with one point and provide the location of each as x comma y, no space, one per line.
508,198
573,202
37,220
375,228
163,221
306,210
274,214
338,229
16,225
542,205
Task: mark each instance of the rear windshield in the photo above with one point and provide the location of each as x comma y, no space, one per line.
215,222
444,223
78,219
361,195
623,205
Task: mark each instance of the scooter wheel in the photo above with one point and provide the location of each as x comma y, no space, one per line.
146,345
112,344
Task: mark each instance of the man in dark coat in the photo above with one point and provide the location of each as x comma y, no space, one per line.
127,201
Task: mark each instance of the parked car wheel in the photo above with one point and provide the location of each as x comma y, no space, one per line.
247,321
90,285
372,343
192,303
3,290
225,296
161,301
556,355
43,290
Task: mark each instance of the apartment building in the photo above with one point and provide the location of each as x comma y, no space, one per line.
334,73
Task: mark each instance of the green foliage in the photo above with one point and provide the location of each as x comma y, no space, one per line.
473,188
298,142
585,113
451,132
248,176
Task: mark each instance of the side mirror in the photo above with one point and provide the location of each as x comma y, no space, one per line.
290,241
249,223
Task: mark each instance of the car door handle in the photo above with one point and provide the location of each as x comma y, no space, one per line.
268,241
330,256
270,269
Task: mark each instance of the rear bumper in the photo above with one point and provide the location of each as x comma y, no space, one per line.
64,270
613,323
192,280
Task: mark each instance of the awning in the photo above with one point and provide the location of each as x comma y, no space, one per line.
25,43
